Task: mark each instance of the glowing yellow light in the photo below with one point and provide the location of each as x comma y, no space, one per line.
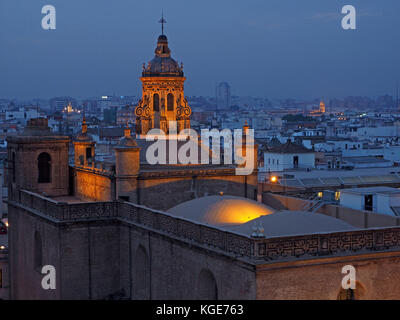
232,211
319,194
274,179
337,195
6,223
2,247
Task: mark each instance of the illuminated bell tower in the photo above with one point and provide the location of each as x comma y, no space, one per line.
322,107
163,98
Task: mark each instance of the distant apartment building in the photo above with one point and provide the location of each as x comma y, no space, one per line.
380,199
288,156
4,103
223,96
369,132
108,105
392,153
21,114
125,115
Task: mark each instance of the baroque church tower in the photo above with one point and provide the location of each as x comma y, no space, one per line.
163,98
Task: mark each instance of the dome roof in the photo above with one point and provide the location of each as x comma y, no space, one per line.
162,65
37,127
83,136
289,223
127,141
221,210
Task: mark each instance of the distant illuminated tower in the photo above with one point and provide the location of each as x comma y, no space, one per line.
322,107
223,96
163,98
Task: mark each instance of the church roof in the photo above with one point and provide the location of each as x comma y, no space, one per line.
221,210
290,223
162,65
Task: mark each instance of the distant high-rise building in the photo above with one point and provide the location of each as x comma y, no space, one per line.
223,96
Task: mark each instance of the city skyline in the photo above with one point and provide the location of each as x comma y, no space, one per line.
306,55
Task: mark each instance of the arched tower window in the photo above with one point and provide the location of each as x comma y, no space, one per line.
38,251
44,168
156,102
89,154
170,102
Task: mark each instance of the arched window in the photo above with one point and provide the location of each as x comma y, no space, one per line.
38,251
346,294
352,294
44,168
88,154
207,286
156,102
170,102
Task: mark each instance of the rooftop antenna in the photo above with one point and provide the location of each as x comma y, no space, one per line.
162,21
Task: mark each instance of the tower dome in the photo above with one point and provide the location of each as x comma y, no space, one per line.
162,64
127,141
83,135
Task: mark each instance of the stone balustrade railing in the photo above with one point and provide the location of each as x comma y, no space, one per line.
276,248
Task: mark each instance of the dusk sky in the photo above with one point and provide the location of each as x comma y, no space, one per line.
265,48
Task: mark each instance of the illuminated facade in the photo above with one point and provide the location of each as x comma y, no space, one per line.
321,110
322,107
163,98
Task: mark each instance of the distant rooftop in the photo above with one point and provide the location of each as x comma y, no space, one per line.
365,159
289,147
325,178
372,190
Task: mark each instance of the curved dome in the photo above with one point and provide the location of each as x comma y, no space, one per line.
83,137
127,141
289,223
162,64
221,210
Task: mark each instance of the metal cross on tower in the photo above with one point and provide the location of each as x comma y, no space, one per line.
162,21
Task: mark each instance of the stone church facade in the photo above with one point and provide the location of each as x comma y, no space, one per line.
117,249
106,230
